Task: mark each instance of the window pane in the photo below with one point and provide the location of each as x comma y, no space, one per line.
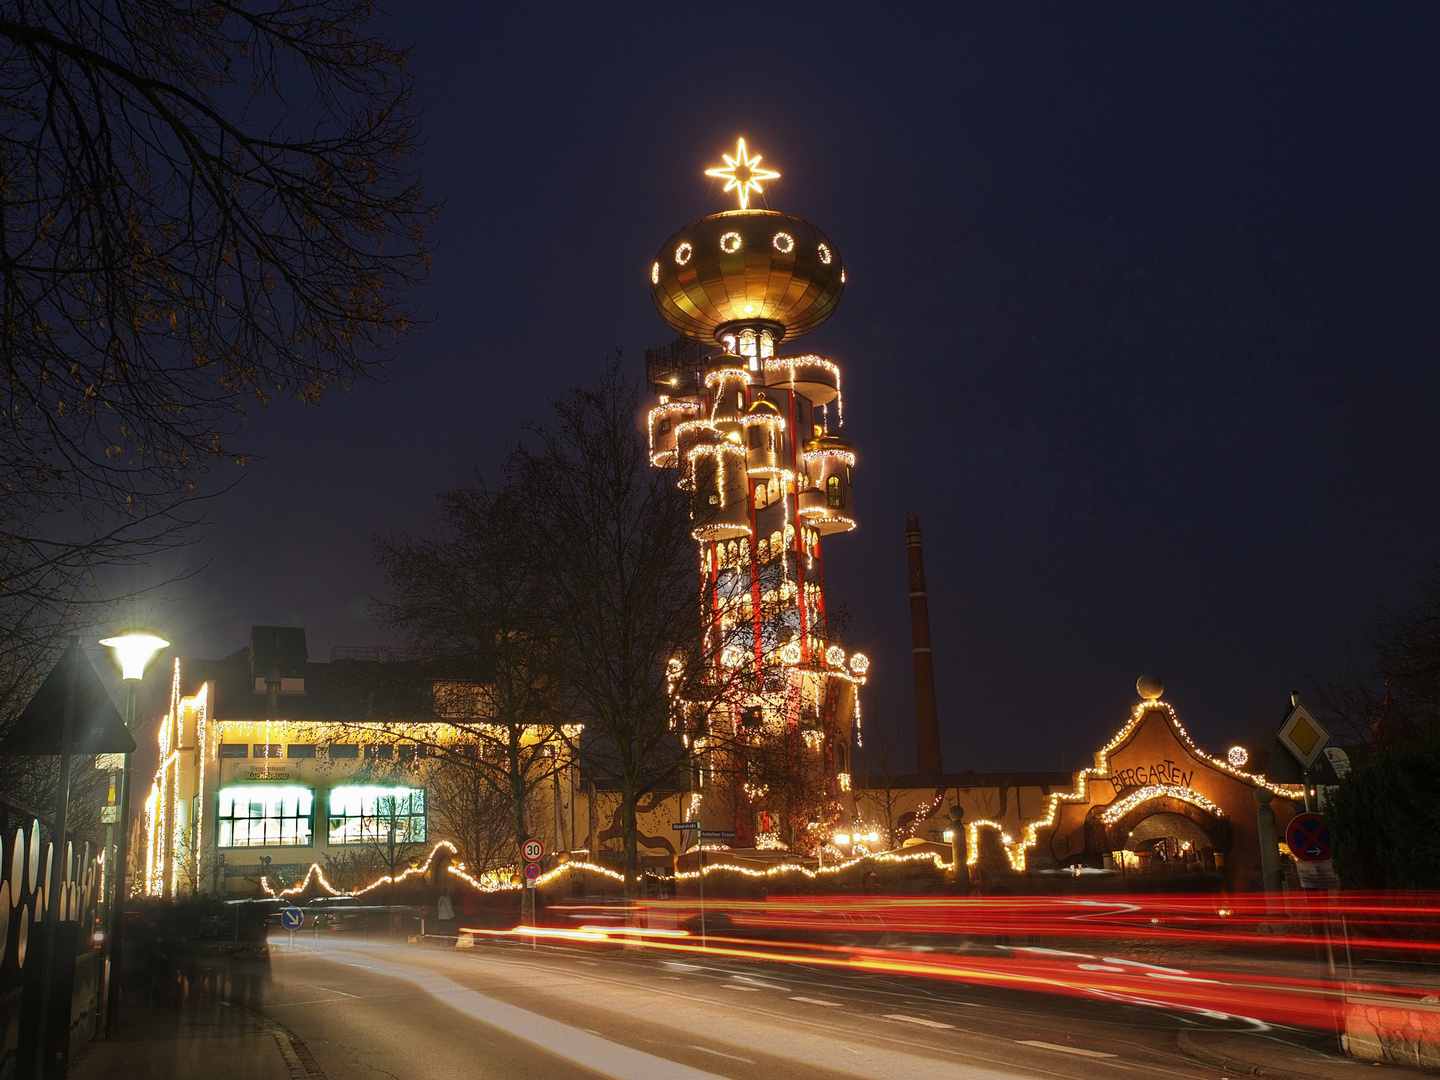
258,816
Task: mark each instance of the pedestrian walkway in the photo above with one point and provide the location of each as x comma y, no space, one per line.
194,1037
1288,1055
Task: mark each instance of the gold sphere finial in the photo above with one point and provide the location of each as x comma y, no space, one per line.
1150,687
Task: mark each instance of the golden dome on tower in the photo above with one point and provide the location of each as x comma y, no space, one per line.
750,267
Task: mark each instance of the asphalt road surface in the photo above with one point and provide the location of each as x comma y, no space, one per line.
382,1012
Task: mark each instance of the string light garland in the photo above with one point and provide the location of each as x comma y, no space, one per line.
683,253
730,243
788,868
784,243
1120,807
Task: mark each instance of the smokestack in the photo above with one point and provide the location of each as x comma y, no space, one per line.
927,722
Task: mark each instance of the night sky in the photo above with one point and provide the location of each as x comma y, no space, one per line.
1141,320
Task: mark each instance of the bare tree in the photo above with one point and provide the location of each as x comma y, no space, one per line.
473,815
884,792
1396,677
611,547
468,603
204,208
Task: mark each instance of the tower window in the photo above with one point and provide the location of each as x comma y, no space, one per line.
756,437
665,426
835,496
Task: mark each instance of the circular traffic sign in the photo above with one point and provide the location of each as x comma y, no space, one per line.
532,870
533,850
292,918
1308,837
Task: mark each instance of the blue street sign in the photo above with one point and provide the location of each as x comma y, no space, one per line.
1308,837
681,826
532,870
716,834
292,918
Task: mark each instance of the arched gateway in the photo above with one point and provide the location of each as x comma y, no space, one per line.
1154,801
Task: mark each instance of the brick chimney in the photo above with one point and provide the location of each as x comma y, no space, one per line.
927,722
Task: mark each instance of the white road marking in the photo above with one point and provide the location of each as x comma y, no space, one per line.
1065,1049
817,1001
721,1053
747,989
330,989
917,1020
550,1036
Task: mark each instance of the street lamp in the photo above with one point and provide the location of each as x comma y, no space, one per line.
134,650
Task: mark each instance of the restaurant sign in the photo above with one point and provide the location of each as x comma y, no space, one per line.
1160,772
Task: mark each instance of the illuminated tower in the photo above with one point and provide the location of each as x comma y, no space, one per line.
754,437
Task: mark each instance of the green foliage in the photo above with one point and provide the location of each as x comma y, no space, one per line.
1385,818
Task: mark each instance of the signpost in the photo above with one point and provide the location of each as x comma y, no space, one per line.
532,851
1303,736
292,918
1308,837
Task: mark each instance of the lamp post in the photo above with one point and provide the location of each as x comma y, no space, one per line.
133,650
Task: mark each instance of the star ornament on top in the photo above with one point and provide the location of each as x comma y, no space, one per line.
742,173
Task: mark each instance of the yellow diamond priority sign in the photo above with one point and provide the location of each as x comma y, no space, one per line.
1303,736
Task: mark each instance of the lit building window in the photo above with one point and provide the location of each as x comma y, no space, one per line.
265,816
835,497
364,814
268,750
234,750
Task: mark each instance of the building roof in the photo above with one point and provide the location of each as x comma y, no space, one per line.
969,779
345,689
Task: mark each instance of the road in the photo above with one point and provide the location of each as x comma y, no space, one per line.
365,1011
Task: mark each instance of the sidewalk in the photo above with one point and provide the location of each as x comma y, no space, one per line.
1293,1055
199,1036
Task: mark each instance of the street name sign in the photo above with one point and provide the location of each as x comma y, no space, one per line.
533,851
716,834
682,826
1303,736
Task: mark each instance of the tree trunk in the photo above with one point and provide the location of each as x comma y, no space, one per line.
628,830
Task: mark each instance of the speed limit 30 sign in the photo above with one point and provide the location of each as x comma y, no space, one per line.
533,850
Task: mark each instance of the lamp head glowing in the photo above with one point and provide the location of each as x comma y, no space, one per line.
134,649
743,174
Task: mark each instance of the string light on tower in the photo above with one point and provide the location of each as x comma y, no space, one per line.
768,480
